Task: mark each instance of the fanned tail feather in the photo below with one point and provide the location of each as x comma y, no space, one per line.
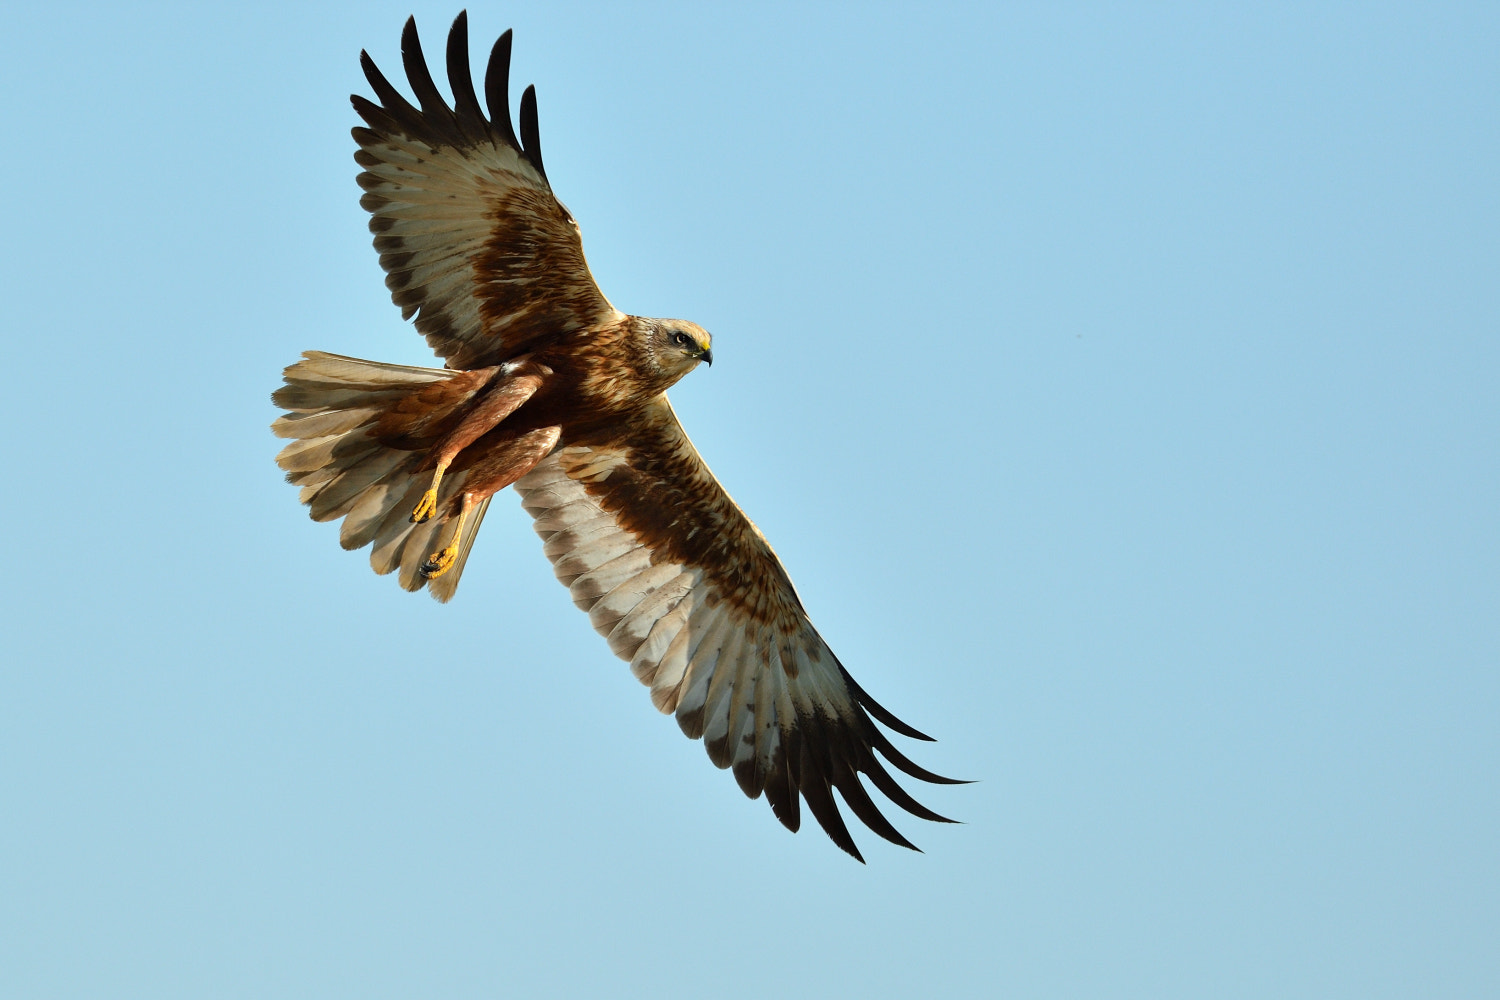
345,471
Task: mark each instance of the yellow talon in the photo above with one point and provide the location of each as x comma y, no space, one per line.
443,559
439,562
426,507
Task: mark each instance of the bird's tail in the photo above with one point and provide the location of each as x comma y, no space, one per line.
357,454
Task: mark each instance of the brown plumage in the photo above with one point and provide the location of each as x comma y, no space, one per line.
551,389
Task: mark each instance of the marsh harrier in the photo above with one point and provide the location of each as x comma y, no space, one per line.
549,388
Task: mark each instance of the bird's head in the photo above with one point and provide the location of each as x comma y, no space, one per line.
674,347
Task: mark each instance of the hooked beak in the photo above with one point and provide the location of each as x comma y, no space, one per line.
707,357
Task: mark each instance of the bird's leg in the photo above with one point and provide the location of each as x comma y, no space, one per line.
442,560
494,406
427,506
485,478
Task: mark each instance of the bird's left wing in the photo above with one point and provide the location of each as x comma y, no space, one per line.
471,237
685,587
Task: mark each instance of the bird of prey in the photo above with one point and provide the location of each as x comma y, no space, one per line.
549,388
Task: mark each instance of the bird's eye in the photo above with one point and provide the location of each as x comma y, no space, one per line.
681,339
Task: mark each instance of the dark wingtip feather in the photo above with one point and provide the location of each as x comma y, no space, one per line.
887,786
389,96
461,81
531,138
374,116
826,811
417,73
881,742
781,793
855,796
497,89
880,712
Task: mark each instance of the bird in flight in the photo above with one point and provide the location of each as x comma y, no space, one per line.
549,388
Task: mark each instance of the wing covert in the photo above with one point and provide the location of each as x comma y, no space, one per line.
685,588
472,240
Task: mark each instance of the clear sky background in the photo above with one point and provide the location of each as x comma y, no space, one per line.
1120,385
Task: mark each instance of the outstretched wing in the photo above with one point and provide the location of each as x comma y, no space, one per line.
685,587
472,239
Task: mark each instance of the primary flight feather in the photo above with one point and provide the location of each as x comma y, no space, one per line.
550,389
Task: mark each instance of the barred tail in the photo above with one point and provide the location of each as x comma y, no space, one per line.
334,404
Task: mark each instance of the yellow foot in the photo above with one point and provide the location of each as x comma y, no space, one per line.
440,562
426,507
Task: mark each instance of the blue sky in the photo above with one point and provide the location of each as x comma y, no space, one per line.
1119,385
